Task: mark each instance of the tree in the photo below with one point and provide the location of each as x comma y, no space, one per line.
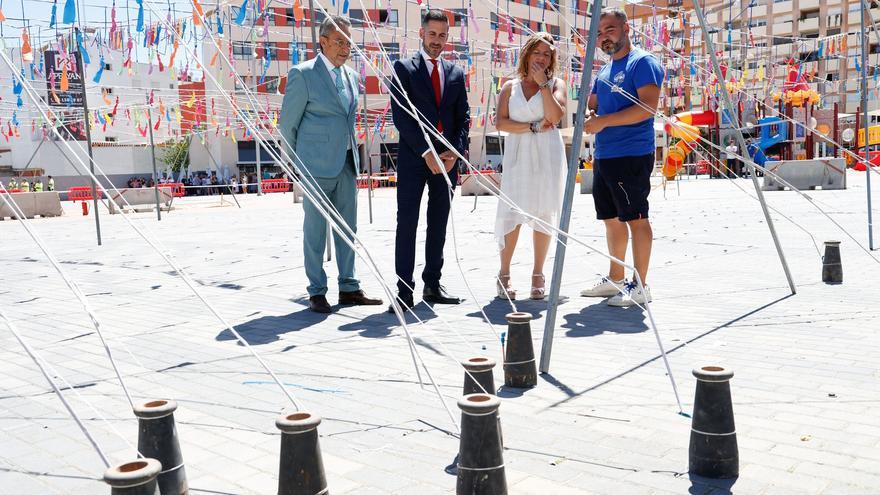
176,154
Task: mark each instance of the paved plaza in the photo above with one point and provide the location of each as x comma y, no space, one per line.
604,420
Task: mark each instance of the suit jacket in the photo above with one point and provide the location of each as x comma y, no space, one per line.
314,120
453,111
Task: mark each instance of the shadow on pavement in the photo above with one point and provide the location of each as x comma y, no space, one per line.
268,329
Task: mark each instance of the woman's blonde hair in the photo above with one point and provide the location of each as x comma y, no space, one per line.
522,65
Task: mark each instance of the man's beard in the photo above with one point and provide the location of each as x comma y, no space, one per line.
615,47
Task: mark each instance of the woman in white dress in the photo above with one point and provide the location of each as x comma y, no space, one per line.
529,108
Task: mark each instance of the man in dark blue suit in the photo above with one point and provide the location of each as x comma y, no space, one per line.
437,89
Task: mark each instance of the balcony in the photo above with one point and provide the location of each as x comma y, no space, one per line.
808,25
782,8
782,29
759,10
808,4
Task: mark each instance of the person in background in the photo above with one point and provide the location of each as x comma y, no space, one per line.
51,183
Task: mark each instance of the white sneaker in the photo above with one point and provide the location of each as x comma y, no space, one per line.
630,296
604,288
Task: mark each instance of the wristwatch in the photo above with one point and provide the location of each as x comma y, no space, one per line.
547,84
534,127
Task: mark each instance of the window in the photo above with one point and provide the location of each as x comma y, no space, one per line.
272,84
242,50
269,50
460,17
809,56
107,91
110,139
388,17
809,14
301,48
493,145
249,15
356,16
392,50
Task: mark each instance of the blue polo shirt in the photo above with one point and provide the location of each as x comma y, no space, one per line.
638,68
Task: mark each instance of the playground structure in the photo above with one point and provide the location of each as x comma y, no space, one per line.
783,133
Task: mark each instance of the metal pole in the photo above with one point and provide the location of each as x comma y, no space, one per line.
367,159
88,128
573,159
259,171
153,155
728,104
866,124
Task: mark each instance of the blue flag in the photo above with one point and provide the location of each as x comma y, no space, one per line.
82,49
242,13
100,72
54,14
140,20
69,12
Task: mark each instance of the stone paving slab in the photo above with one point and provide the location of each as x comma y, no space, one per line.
604,420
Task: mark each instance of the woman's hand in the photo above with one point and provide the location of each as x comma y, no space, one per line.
538,75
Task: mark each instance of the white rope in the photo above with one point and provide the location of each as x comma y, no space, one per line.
38,361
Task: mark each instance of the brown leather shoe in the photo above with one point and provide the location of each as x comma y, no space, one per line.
319,304
357,298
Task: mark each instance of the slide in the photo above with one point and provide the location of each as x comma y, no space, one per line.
774,130
684,127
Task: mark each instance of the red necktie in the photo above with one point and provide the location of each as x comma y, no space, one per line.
435,81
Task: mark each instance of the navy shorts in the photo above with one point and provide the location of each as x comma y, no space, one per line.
621,187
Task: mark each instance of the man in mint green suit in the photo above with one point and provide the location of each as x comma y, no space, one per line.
317,121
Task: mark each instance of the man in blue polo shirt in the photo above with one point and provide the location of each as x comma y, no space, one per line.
622,104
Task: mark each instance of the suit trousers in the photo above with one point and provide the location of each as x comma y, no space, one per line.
342,193
411,181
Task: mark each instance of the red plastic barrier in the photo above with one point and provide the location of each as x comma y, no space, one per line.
82,194
703,167
178,190
13,190
275,185
365,183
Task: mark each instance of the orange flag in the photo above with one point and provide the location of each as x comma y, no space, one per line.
27,53
65,82
198,13
297,11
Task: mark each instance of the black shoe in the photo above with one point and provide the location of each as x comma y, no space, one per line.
357,298
439,295
405,301
319,304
